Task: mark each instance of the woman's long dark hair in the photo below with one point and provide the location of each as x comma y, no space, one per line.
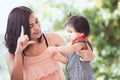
18,17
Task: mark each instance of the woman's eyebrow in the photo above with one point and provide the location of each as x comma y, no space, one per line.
35,21
31,24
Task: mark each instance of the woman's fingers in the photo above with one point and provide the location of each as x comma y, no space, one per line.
30,43
86,55
23,40
22,31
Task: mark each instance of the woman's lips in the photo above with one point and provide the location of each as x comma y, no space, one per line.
36,33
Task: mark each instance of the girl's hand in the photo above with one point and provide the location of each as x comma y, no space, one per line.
23,42
59,57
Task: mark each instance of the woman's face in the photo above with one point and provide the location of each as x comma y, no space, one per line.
34,27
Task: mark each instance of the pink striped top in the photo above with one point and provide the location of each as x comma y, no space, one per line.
42,67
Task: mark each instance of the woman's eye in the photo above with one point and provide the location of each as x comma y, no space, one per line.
31,26
36,20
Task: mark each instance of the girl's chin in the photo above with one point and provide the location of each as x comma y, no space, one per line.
70,39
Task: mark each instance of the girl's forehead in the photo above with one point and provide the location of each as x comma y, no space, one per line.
69,27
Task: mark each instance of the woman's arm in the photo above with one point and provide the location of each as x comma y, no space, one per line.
15,66
15,62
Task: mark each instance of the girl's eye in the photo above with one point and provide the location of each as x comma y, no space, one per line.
69,31
36,21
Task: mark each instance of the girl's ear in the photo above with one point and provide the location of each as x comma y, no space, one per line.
80,34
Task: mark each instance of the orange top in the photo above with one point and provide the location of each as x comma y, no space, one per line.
42,67
79,38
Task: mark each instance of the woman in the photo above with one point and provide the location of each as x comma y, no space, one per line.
30,57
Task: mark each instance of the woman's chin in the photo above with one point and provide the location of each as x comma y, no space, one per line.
35,37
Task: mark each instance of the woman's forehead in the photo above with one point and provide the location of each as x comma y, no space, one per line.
32,18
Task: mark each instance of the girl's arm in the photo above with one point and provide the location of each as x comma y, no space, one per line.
58,56
64,49
57,40
80,48
70,48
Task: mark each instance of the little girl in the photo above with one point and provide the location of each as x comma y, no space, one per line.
78,29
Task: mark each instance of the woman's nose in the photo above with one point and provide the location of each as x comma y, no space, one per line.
36,27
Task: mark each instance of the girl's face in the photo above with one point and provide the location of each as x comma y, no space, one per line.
34,27
72,34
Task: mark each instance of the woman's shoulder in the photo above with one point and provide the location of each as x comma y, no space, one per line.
55,38
52,34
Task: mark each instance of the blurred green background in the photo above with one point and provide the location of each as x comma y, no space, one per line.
104,19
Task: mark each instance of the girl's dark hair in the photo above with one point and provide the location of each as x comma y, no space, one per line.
18,17
79,23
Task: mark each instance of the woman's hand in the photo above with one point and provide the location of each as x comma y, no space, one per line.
23,42
57,55
79,46
86,54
